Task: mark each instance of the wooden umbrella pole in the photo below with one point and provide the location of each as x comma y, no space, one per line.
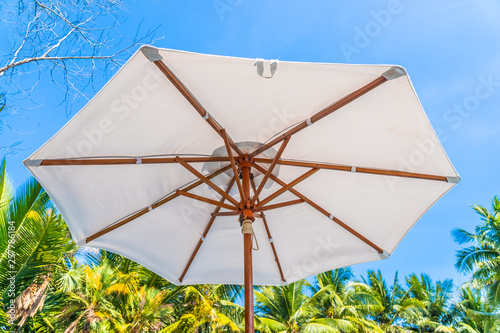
249,321
245,166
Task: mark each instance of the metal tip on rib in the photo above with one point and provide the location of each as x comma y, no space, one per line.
453,180
151,53
81,242
32,163
385,254
394,72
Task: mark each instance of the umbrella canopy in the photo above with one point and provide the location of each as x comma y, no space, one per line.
342,158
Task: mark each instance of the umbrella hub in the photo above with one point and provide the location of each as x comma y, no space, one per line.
247,147
246,213
246,207
245,161
245,164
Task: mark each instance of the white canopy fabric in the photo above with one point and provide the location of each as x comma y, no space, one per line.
140,114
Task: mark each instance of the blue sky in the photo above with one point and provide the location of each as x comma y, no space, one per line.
451,50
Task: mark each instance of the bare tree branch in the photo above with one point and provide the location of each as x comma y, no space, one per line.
61,42
70,40
43,57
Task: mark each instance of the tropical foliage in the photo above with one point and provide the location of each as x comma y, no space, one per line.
482,255
55,286
480,300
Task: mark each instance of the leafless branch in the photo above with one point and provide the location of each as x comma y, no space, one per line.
69,40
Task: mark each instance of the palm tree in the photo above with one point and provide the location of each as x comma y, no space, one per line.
145,310
475,313
201,308
33,239
104,298
91,304
482,256
339,308
397,306
337,279
208,308
333,307
283,309
435,297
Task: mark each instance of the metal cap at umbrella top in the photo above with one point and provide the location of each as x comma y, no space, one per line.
343,161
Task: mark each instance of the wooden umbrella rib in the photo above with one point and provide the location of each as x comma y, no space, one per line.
270,169
273,247
323,211
138,160
270,237
205,233
166,160
117,225
90,161
206,200
192,100
231,213
305,164
340,223
285,188
206,180
281,205
233,165
153,206
401,174
323,113
192,186
348,168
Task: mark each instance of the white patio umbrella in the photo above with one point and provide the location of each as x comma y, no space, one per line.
326,165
